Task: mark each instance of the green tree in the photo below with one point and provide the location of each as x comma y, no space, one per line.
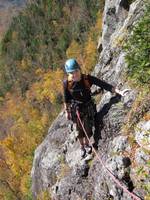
138,50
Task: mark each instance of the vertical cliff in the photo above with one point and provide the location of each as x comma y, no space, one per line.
57,167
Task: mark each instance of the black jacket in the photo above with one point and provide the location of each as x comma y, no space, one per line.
79,92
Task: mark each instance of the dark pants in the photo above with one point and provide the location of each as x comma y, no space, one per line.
87,125
89,117
87,122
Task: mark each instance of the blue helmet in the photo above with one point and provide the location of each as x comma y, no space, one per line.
71,65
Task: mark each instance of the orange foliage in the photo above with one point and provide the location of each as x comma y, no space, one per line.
48,87
27,119
147,117
27,125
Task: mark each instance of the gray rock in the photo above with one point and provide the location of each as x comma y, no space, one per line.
114,16
115,31
119,144
129,98
142,134
48,156
87,179
140,174
120,167
141,156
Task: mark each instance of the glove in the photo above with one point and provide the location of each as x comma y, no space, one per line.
123,92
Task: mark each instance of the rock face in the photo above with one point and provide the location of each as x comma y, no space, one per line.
57,166
142,134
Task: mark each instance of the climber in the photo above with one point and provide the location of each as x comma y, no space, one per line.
77,95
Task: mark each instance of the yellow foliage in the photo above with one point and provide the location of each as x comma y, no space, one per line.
39,72
74,50
147,198
13,105
28,122
24,64
11,158
5,193
48,87
44,196
24,185
14,35
7,142
66,10
45,119
98,25
90,47
90,55
26,130
147,116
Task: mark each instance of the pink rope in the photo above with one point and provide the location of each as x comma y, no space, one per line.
135,197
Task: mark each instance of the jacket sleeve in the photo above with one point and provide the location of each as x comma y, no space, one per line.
100,83
67,97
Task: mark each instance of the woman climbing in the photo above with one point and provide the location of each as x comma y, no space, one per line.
77,95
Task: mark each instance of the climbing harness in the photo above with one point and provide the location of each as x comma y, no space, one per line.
134,196
87,109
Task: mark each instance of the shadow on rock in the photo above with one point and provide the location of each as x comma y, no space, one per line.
100,115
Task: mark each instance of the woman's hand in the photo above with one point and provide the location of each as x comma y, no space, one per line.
122,93
117,91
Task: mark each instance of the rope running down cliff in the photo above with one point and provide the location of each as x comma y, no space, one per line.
134,196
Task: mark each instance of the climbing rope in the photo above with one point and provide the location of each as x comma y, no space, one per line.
134,196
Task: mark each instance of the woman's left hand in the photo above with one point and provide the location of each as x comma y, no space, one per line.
122,93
